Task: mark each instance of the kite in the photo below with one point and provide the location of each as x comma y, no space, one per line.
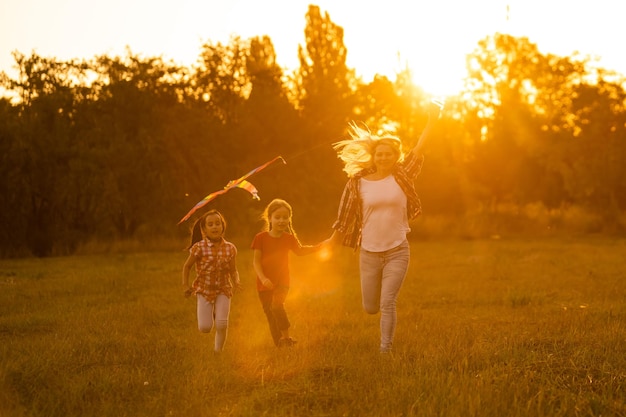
238,183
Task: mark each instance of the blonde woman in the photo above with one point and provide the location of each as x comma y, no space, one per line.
377,203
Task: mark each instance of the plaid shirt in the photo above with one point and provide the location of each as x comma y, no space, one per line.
214,268
350,215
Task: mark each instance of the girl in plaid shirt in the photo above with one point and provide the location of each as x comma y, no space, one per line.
378,201
216,274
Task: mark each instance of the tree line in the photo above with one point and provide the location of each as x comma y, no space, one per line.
123,147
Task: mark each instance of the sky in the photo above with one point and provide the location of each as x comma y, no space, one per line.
431,37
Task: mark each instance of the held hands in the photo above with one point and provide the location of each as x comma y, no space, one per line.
328,243
326,249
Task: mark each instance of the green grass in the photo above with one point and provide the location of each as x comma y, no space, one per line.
485,328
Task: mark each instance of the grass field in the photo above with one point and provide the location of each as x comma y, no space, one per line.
485,328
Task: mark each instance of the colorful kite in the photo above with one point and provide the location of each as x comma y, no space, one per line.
238,183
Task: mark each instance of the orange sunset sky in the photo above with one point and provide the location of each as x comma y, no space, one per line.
431,37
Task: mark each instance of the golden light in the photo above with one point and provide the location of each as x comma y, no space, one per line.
324,254
443,80
430,38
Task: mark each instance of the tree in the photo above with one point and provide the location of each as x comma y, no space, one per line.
135,100
220,79
325,83
42,154
271,123
504,93
325,87
596,153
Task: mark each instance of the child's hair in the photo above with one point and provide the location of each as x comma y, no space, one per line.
198,227
357,152
274,205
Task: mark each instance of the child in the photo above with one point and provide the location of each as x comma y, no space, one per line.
271,249
216,272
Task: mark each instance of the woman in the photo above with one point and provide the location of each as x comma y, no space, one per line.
377,203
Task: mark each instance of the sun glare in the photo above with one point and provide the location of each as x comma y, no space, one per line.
428,39
432,39
443,80
324,254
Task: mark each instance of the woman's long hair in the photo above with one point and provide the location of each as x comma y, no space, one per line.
357,152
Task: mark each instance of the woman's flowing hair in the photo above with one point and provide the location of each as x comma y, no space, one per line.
357,152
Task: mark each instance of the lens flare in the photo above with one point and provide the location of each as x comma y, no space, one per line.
324,254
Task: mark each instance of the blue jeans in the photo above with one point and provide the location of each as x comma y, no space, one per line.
382,275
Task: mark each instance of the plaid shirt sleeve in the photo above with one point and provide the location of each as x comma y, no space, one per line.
349,215
405,176
412,164
346,207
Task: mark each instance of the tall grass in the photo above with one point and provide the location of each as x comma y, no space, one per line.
485,328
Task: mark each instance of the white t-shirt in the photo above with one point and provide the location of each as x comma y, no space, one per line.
385,220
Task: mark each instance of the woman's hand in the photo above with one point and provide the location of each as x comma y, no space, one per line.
434,110
267,283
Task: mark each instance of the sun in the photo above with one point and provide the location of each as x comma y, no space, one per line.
440,78
438,68
434,47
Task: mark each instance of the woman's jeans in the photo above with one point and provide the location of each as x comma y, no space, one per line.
382,275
